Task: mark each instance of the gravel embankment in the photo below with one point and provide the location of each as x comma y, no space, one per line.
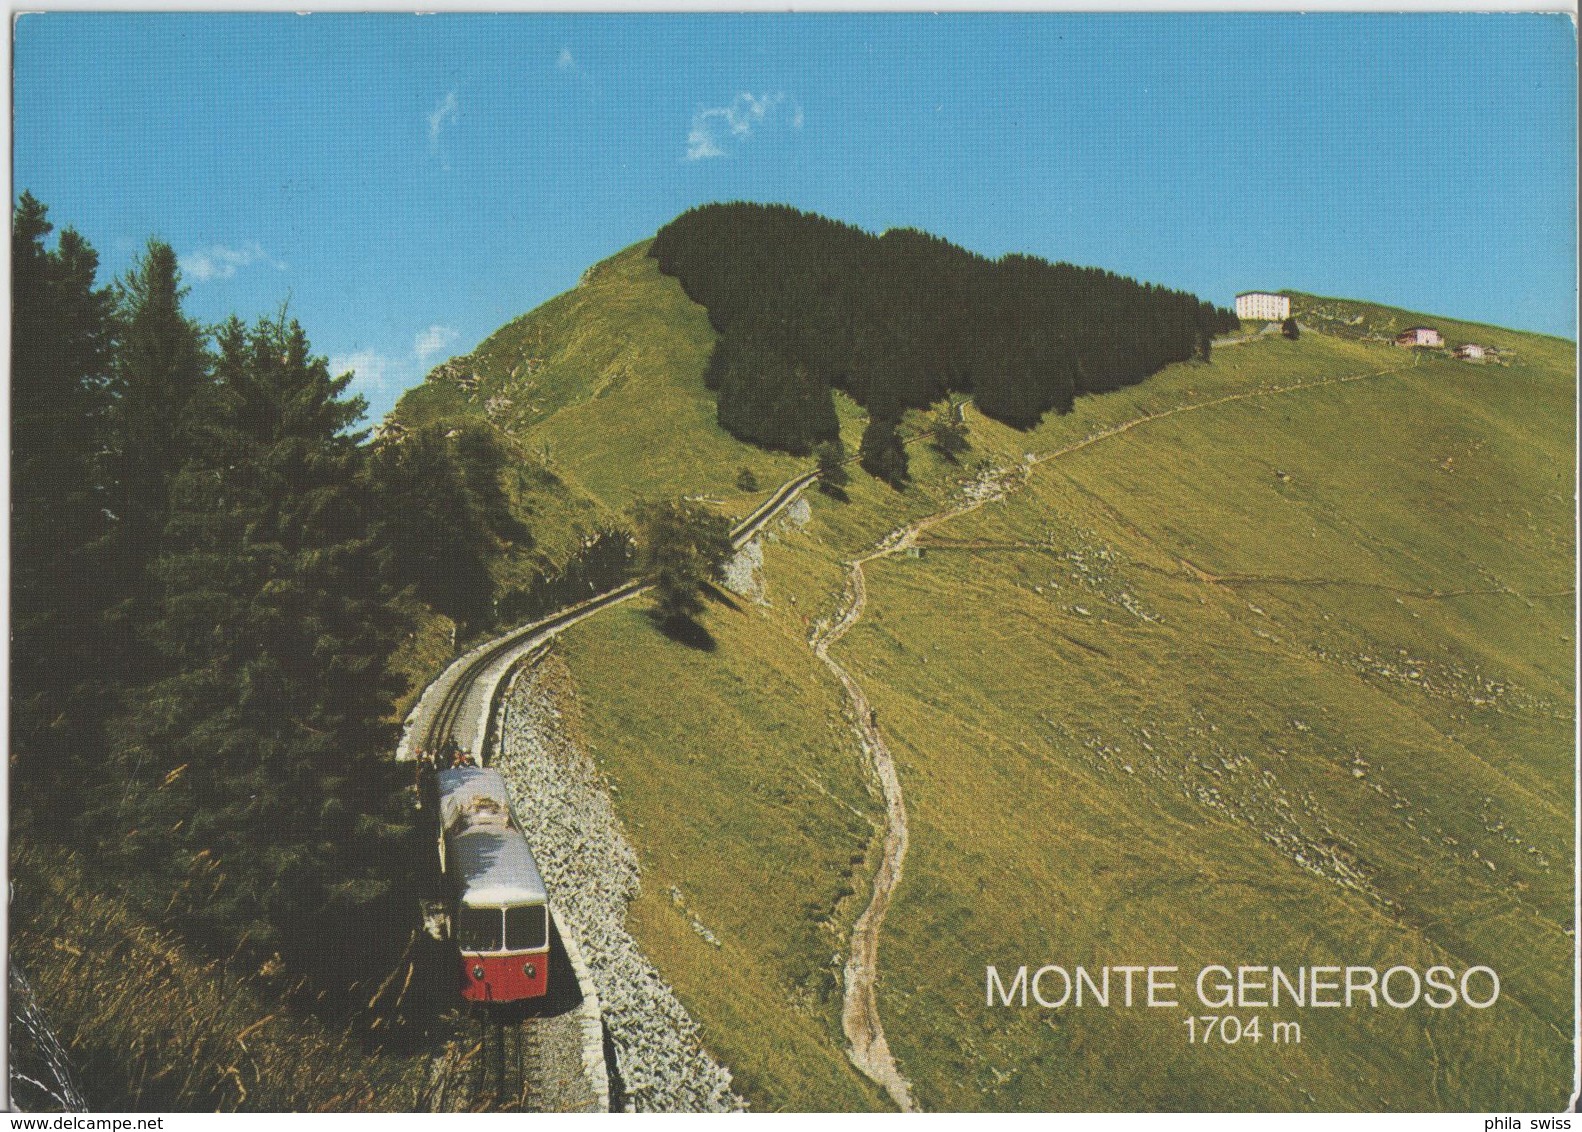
555,1049
592,875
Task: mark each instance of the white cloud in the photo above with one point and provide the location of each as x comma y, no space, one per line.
432,341
371,369
715,128
565,61
701,143
443,115
381,376
220,262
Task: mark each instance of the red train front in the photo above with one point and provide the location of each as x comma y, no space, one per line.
500,918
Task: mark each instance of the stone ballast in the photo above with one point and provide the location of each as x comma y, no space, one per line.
592,875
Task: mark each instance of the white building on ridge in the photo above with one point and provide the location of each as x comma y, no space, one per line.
1262,305
1420,336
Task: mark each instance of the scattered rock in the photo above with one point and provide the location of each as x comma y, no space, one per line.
744,573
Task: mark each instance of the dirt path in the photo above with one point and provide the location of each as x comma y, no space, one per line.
869,1050
1247,394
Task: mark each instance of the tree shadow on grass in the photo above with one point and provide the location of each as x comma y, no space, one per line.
685,631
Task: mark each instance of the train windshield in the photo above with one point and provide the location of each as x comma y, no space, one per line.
526,927
478,929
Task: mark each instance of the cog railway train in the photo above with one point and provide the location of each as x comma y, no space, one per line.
499,912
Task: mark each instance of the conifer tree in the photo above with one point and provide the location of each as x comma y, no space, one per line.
950,432
684,547
216,508
60,586
882,454
766,399
832,474
257,795
162,399
437,500
479,458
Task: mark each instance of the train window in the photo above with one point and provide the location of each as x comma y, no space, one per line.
526,927
478,929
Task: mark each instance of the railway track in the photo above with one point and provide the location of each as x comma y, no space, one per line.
460,705
743,531
503,1053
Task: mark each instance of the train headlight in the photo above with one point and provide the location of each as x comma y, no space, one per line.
477,972
529,970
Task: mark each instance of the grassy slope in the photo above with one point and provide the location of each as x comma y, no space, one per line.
149,1026
1242,712
1014,716
1032,844
610,367
612,403
1350,318
739,794
598,393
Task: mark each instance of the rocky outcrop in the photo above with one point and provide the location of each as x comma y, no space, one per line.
458,369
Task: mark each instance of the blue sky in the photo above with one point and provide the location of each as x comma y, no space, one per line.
410,183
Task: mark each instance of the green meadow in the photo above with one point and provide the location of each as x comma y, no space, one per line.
1279,675
1282,681
600,389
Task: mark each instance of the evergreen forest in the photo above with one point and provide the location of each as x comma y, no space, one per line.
210,568
804,305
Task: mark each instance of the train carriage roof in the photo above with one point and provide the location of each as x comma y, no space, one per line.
489,858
